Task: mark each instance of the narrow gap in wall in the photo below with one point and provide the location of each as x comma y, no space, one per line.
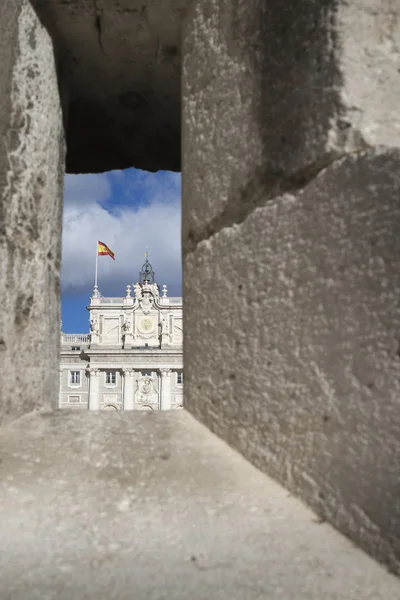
121,347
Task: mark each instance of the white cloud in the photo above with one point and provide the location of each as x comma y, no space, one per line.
92,212
86,189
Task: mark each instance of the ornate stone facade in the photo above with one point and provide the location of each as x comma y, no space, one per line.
132,358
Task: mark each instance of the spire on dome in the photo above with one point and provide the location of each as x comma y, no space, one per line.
147,274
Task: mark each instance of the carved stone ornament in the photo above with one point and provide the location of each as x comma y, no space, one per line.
146,327
94,326
126,326
146,386
146,303
128,371
90,371
146,391
165,325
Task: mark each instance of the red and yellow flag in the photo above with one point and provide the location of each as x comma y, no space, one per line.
103,250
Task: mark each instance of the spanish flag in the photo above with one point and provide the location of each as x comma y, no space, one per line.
103,250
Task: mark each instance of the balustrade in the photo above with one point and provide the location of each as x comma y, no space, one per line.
75,338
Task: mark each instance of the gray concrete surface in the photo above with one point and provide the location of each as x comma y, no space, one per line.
31,184
153,506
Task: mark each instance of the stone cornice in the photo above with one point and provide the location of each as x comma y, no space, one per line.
133,352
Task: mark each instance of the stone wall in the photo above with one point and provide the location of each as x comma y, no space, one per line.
291,138
291,220
31,182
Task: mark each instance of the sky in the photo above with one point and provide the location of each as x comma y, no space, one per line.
130,211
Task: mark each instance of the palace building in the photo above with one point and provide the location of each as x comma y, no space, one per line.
132,359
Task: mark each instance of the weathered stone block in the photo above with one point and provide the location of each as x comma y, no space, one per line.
292,343
122,63
31,183
274,91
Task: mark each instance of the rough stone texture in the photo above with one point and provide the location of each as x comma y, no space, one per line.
273,92
121,62
292,326
31,179
90,511
298,370
301,310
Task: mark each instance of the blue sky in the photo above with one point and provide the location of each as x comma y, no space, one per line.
127,210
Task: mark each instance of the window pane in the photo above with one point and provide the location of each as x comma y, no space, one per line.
75,377
111,377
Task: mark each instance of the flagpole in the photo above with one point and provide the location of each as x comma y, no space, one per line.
96,291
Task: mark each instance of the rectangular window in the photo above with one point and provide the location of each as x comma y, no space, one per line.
74,399
111,377
179,377
75,377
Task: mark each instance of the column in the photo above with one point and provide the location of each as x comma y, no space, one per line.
128,388
165,403
94,388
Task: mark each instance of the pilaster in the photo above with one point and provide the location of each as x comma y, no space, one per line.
94,388
165,403
128,375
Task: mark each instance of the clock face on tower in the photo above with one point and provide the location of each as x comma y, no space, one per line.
146,325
